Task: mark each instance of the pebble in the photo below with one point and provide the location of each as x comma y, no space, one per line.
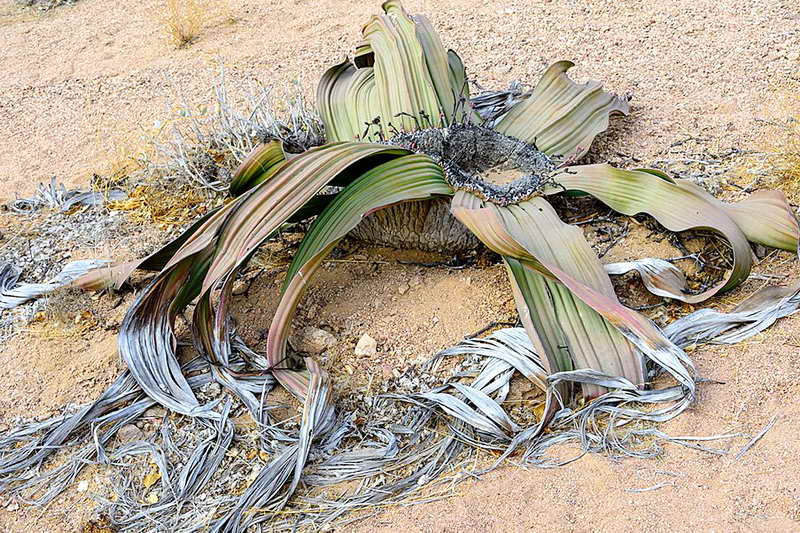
240,287
129,433
402,289
83,486
313,340
366,345
212,390
155,412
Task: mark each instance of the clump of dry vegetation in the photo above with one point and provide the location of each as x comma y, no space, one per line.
184,20
67,312
182,168
783,142
44,5
164,206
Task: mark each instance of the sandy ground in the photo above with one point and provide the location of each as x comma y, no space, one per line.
83,80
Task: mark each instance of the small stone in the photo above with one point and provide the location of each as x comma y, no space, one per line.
212,390
13,506
155,412
366,345
436,320
313,340
240,287
129,433
402,289
244,422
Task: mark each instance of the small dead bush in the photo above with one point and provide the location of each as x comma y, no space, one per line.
165,205
782,141
66,312
203,145
44,5
184,20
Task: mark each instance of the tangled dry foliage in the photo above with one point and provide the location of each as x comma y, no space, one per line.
44,5
783,141
181,168
183,21
491,426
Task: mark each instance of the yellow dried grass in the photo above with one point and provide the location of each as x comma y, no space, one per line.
156,204
184,20
782,141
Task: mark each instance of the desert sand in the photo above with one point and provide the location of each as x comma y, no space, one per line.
83,80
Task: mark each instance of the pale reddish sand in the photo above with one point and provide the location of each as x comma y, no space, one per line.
83,79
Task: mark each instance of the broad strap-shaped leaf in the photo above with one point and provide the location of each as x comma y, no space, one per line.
257,167
147,341
569,332
403,79
765,217
561,117
260,213
412,177
347,101
531,234
661,278
678,208
271,203
447,72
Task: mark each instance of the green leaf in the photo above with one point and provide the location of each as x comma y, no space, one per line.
677,207
346,101
259,166
536,243
765,217
403,80
561,117
264,208
412,177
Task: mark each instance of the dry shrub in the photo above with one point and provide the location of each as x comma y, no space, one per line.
67,312
782,141
184,20
165,204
